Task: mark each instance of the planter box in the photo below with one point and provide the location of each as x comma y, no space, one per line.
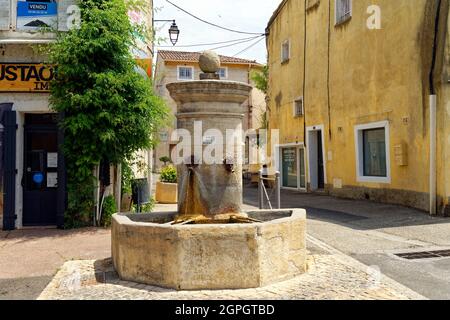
166,192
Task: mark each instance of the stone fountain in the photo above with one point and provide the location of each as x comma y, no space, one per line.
210,242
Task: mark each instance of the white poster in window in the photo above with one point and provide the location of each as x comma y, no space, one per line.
52,160
52,179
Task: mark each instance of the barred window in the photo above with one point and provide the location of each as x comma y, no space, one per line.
298,107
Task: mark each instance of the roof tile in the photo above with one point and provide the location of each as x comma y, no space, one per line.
185,56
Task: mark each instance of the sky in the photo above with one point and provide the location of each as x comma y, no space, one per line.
241,15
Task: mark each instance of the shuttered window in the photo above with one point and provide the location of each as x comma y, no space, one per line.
343,10
285,51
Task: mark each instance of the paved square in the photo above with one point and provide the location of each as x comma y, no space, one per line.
331,276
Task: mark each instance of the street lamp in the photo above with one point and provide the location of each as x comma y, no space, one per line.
174,32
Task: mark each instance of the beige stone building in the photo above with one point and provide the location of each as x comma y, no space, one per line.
360,93
174,66
32,168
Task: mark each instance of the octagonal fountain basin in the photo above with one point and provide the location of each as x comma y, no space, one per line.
147,248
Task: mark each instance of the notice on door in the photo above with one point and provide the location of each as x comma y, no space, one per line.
52,179
52,160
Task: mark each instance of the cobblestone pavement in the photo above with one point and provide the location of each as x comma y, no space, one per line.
331,276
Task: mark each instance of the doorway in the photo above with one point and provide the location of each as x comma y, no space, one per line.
40,176
316,158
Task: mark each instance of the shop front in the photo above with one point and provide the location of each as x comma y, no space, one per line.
292,166
32,164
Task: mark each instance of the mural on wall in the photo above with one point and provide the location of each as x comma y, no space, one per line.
33,15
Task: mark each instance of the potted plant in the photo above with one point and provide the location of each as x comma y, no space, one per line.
165,160
167,188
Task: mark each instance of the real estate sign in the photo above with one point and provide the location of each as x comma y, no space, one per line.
32,15
25,77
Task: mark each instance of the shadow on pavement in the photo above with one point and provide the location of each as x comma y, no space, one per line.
356,214
23,288
31,234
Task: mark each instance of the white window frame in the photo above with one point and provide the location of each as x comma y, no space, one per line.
294,106
279,164
343,19
359,152
226,72
185,79
288,42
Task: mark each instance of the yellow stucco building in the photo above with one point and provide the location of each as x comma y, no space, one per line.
359,91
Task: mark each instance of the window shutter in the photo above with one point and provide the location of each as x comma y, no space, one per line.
9,169
5,14
285,54
343,10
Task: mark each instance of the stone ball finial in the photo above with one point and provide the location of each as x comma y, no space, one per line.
209,62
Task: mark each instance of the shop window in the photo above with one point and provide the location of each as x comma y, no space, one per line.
293,171
289,167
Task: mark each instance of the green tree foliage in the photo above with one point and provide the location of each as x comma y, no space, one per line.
110,111
109,208
261,79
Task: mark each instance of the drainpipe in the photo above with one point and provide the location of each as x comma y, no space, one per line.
433,209
433,98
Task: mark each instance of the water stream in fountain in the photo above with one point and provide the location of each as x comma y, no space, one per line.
193,208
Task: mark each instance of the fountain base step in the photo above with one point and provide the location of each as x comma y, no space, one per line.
146,249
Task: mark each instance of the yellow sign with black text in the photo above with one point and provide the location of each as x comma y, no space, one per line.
26,77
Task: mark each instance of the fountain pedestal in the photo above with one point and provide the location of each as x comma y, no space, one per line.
210,188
